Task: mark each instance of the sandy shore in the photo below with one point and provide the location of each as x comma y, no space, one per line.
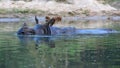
78,8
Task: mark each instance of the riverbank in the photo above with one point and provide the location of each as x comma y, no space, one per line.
64,14
42,8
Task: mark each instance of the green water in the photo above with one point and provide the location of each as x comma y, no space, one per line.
83,51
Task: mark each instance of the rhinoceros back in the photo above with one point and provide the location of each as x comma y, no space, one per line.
63,31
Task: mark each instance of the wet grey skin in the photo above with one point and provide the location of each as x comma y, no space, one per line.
25,30
42,29
38,29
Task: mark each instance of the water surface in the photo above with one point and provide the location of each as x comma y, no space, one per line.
81,51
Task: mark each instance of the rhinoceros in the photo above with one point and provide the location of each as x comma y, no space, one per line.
48,29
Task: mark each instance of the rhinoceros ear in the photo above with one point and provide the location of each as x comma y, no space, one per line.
36,20
47,18
24,25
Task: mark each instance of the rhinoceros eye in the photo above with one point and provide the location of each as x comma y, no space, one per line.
22,32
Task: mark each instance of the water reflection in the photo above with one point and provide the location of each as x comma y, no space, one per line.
84,51
101,55
38,40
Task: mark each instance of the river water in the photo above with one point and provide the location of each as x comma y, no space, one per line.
81,51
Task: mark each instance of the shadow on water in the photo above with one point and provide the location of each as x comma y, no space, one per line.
71,51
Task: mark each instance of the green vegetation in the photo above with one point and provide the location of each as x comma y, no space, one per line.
24,11
109,1
17,10
3,11
85,12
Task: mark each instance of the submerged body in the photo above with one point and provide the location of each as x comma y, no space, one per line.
64,31
75,31
40,30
